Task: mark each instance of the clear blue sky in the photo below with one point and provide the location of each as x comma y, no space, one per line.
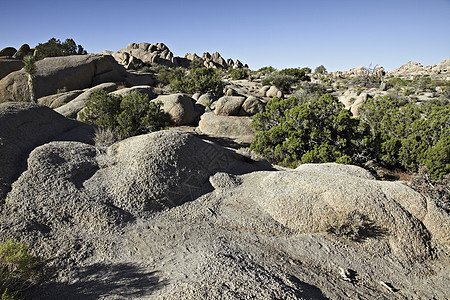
340,34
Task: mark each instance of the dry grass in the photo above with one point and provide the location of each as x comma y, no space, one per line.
351,225
105,137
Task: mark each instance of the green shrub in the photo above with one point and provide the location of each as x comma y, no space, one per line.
266,70
200,80
18,269
54,47
298,74
282,82
239,73
128,116
291,132
408,135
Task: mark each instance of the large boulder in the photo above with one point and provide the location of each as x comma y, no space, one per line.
70,72
230,127
179,108
57,100
143,89
206,99
24,126
8,52
23,51
273,91
72,108
251,106
229,105
8,66
302,200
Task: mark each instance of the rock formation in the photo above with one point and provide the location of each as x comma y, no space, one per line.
146,53
170,215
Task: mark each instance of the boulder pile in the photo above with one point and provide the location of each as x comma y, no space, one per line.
136,55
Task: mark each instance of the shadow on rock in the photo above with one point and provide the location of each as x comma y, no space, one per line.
100,280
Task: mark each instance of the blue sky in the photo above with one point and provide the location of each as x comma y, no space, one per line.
340,34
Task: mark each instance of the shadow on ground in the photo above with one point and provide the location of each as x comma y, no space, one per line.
100,281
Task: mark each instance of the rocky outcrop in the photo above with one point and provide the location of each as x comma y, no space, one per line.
68,72
169,215
415,68
145,53
24,126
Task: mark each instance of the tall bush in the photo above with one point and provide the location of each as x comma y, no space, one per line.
128,116
320,130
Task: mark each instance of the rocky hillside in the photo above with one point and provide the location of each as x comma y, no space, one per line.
136,55
190,212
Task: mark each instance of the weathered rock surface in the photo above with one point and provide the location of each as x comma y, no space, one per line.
143,89
8,52
72,108
178,107
168,215
229,105
57,100
23,51
251,106
70,72
9,65
206,99
25,126
230,127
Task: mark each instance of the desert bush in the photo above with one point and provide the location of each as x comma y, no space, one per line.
408,135
294,131
127,116
105,137
239,73
298,74
351,225
18,268
55,47
282,82
202,80
266,70
306,89
196,63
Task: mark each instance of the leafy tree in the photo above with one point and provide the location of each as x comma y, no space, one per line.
320,70
320,130
128,116
55,47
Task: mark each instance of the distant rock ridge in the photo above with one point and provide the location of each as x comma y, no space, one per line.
146,53
410,68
